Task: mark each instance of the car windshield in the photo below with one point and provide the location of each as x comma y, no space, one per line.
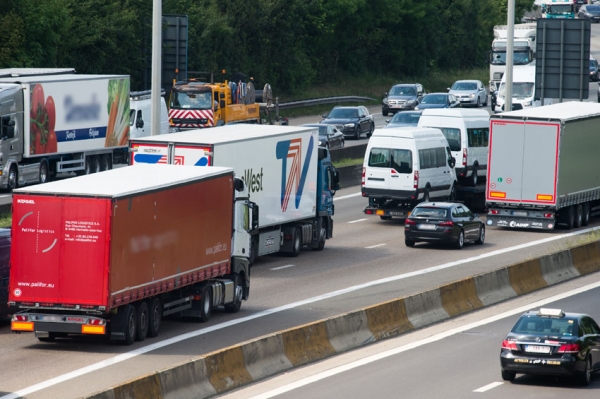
520,89
406,117
402,91
425,211
181,100
519,58
397,159
343,113
593,64
560,9
464,86
535,325
435,99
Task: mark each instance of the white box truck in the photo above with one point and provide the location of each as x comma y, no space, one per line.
289,177
53,122
544,167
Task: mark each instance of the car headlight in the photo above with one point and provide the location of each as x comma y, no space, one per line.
385,101
321,142
527,104
349,125
472,95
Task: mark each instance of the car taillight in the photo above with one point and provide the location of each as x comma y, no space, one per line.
510,345
410,222
569,348
446,223
362,182
494,211
548,215
416,181
464,161
20,317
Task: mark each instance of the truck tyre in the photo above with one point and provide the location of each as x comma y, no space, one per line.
322,239
105,162
569,218
578,215
88,166
460,241
130,325
43,172
206,305
141,320
13,178
297,245
96,164
238,294
585,220
154,317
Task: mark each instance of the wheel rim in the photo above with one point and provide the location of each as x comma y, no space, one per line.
461,239
144,321
238,293
482,235
43,173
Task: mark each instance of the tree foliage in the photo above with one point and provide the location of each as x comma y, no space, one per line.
288,43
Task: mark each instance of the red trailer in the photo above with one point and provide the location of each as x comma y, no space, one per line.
110,253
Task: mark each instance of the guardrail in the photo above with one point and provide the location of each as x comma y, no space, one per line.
320,101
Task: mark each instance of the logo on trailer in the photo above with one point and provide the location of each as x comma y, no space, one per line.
292,181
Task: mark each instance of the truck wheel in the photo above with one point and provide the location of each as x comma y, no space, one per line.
322,239
141,320
43,172
96,164
585,220
105,162
570,217
154,317
206,306
235,306
12,178
578,215
88,166
297,243
130,325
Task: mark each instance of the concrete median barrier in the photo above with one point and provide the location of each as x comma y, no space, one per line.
275,353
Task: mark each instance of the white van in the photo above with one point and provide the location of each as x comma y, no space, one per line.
523,89
407,165
140,122
467,132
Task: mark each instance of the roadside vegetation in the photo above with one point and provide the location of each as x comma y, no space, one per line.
5,220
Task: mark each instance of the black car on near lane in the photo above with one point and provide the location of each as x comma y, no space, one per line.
354,121
443,222
329,136
552,342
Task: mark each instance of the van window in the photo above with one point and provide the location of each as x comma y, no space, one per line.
453,137
478,137
397,159
432,158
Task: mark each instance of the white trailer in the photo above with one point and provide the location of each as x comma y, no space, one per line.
544,167
54,121
288,176
523,50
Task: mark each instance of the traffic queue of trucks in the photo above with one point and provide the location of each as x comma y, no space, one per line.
123,248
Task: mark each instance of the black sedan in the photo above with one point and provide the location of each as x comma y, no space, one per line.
552,342
329,136
443,222
354,121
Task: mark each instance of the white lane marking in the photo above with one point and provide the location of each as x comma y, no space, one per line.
375,246
489,386
416,344
282,267
347,196
158,345
356,221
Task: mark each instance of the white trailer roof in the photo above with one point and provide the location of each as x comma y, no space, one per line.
125,181
456,112
226,134
8,72
555,112
57,78
409,132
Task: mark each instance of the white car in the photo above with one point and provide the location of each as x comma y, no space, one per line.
470,92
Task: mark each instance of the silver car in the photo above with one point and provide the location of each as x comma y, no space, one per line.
470,92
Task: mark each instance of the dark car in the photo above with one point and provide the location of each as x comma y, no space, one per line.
438,100
552,342
329,136
4,269
402,97
354,121
589,11
443,222
594,70
406,118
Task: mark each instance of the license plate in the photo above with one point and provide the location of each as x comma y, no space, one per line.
50,318
396,213
537,349
519,213
427,226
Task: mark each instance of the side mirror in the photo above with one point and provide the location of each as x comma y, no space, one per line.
139,123
447,88
7,129
334,181
385,94
387,120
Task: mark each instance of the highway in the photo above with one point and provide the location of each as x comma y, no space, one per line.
365,263
457,359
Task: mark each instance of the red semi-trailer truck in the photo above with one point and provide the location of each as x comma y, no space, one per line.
111,253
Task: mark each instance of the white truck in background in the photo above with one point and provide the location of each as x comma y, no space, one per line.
544,167
140,122
53,121
523,50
